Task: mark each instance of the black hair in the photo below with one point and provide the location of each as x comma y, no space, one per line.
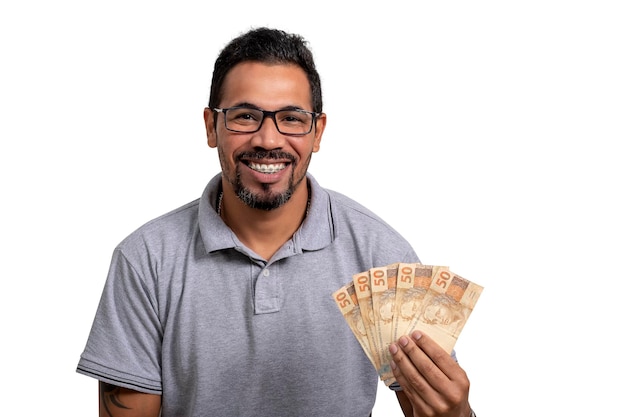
270,46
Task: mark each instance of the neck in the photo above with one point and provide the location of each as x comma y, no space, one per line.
263,231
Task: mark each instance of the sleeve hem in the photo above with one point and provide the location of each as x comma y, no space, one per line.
112,377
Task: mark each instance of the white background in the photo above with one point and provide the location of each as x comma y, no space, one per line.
490,133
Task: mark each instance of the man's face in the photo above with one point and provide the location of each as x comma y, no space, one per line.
264,168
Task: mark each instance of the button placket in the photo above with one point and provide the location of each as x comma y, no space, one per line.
267,298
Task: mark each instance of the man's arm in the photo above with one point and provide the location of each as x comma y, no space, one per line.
433,384
116,401
405,404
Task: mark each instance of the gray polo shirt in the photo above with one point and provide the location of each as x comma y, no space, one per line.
190,313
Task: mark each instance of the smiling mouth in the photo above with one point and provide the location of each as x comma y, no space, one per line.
267,168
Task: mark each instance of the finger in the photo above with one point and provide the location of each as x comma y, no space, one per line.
446,377
407,359
412,383
445,367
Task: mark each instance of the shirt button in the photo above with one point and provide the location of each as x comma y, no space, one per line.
266,272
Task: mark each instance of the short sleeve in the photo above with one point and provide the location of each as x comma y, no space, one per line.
124,345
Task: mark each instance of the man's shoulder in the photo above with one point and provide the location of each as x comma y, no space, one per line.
352,209
362,229
342,200
174,224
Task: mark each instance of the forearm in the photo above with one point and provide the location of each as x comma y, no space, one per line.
405,404
116,401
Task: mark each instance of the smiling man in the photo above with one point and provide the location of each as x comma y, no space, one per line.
223,307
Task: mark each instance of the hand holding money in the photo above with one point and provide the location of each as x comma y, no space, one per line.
384,303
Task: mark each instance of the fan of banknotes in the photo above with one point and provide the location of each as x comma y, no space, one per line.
384,303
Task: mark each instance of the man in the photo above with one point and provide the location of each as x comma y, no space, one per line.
223,307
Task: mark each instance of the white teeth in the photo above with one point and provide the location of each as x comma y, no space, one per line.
267,169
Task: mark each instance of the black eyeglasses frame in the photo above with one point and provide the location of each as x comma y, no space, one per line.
266,113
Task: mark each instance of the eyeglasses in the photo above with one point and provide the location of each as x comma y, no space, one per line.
293,122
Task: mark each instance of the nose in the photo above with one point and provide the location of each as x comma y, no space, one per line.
268,136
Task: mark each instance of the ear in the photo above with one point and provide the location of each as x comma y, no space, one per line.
209,125
320,125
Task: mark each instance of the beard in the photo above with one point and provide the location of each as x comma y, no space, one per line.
268,200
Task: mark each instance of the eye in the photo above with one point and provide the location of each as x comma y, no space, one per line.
244,116
292,117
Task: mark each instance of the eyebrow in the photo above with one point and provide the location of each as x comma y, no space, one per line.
255,107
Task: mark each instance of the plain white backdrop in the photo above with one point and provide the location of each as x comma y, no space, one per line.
489,133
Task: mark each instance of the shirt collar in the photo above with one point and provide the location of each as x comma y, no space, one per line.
316,231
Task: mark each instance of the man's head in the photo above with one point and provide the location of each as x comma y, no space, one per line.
265,74
270,46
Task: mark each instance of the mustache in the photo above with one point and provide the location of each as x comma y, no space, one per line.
262,154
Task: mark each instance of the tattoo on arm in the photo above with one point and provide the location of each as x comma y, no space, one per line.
110,397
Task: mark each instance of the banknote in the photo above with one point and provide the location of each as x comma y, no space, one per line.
446,307
384,303
346,299
383,283
414,282
363,290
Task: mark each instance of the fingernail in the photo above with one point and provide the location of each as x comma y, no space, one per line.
417,335
393,348
404,341
393,365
